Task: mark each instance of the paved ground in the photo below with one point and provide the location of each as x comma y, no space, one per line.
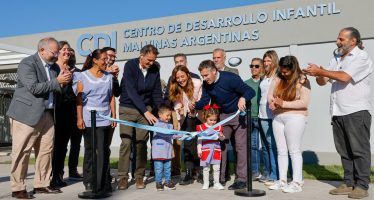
316,190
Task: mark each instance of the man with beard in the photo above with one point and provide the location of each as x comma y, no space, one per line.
31,117
349,72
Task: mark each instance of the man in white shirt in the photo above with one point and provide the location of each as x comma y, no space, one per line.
349,72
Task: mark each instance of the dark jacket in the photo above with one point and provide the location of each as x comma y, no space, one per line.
225,92
138,91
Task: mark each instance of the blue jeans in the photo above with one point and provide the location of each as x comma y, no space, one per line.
269,150
255,146
162,168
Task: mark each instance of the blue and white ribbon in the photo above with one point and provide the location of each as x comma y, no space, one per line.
184,135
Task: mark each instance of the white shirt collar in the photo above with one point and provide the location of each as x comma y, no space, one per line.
354,51
217,77
144,70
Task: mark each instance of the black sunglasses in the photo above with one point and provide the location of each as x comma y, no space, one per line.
256,66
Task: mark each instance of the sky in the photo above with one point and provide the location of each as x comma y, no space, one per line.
21,17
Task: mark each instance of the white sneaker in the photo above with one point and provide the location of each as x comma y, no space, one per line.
302,183
205,186
256,178
292,188
218,186
269,183
278,185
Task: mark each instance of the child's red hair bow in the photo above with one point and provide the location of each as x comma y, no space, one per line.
211,106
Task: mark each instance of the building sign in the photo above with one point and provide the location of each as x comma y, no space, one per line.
201,32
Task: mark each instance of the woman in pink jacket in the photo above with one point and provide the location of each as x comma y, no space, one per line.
288,98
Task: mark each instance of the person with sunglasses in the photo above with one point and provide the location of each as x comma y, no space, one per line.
257,70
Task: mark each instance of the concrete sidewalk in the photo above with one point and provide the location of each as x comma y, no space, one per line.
313,190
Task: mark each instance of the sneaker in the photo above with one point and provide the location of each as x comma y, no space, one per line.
292,188
205,186
263,179
170,185
269,183
278,185
159,187
256,177
343,189
218,186
358,193
75,176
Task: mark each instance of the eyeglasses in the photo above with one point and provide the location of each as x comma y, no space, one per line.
255,66
55,54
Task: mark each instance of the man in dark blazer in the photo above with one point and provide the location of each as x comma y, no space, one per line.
219,58
31,118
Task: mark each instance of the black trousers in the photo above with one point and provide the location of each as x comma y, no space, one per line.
191,159
102,157
65,130
75,146
352,141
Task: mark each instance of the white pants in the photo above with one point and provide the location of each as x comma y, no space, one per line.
288,132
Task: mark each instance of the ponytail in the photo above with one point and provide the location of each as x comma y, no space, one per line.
89,60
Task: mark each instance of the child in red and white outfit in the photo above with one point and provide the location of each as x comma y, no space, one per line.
209,151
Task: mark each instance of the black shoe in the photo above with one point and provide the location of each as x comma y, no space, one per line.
188,179
199,175
211,183
57,182
175,173
75,176
237,185
151,173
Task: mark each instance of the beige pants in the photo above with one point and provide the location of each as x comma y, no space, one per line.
24,138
